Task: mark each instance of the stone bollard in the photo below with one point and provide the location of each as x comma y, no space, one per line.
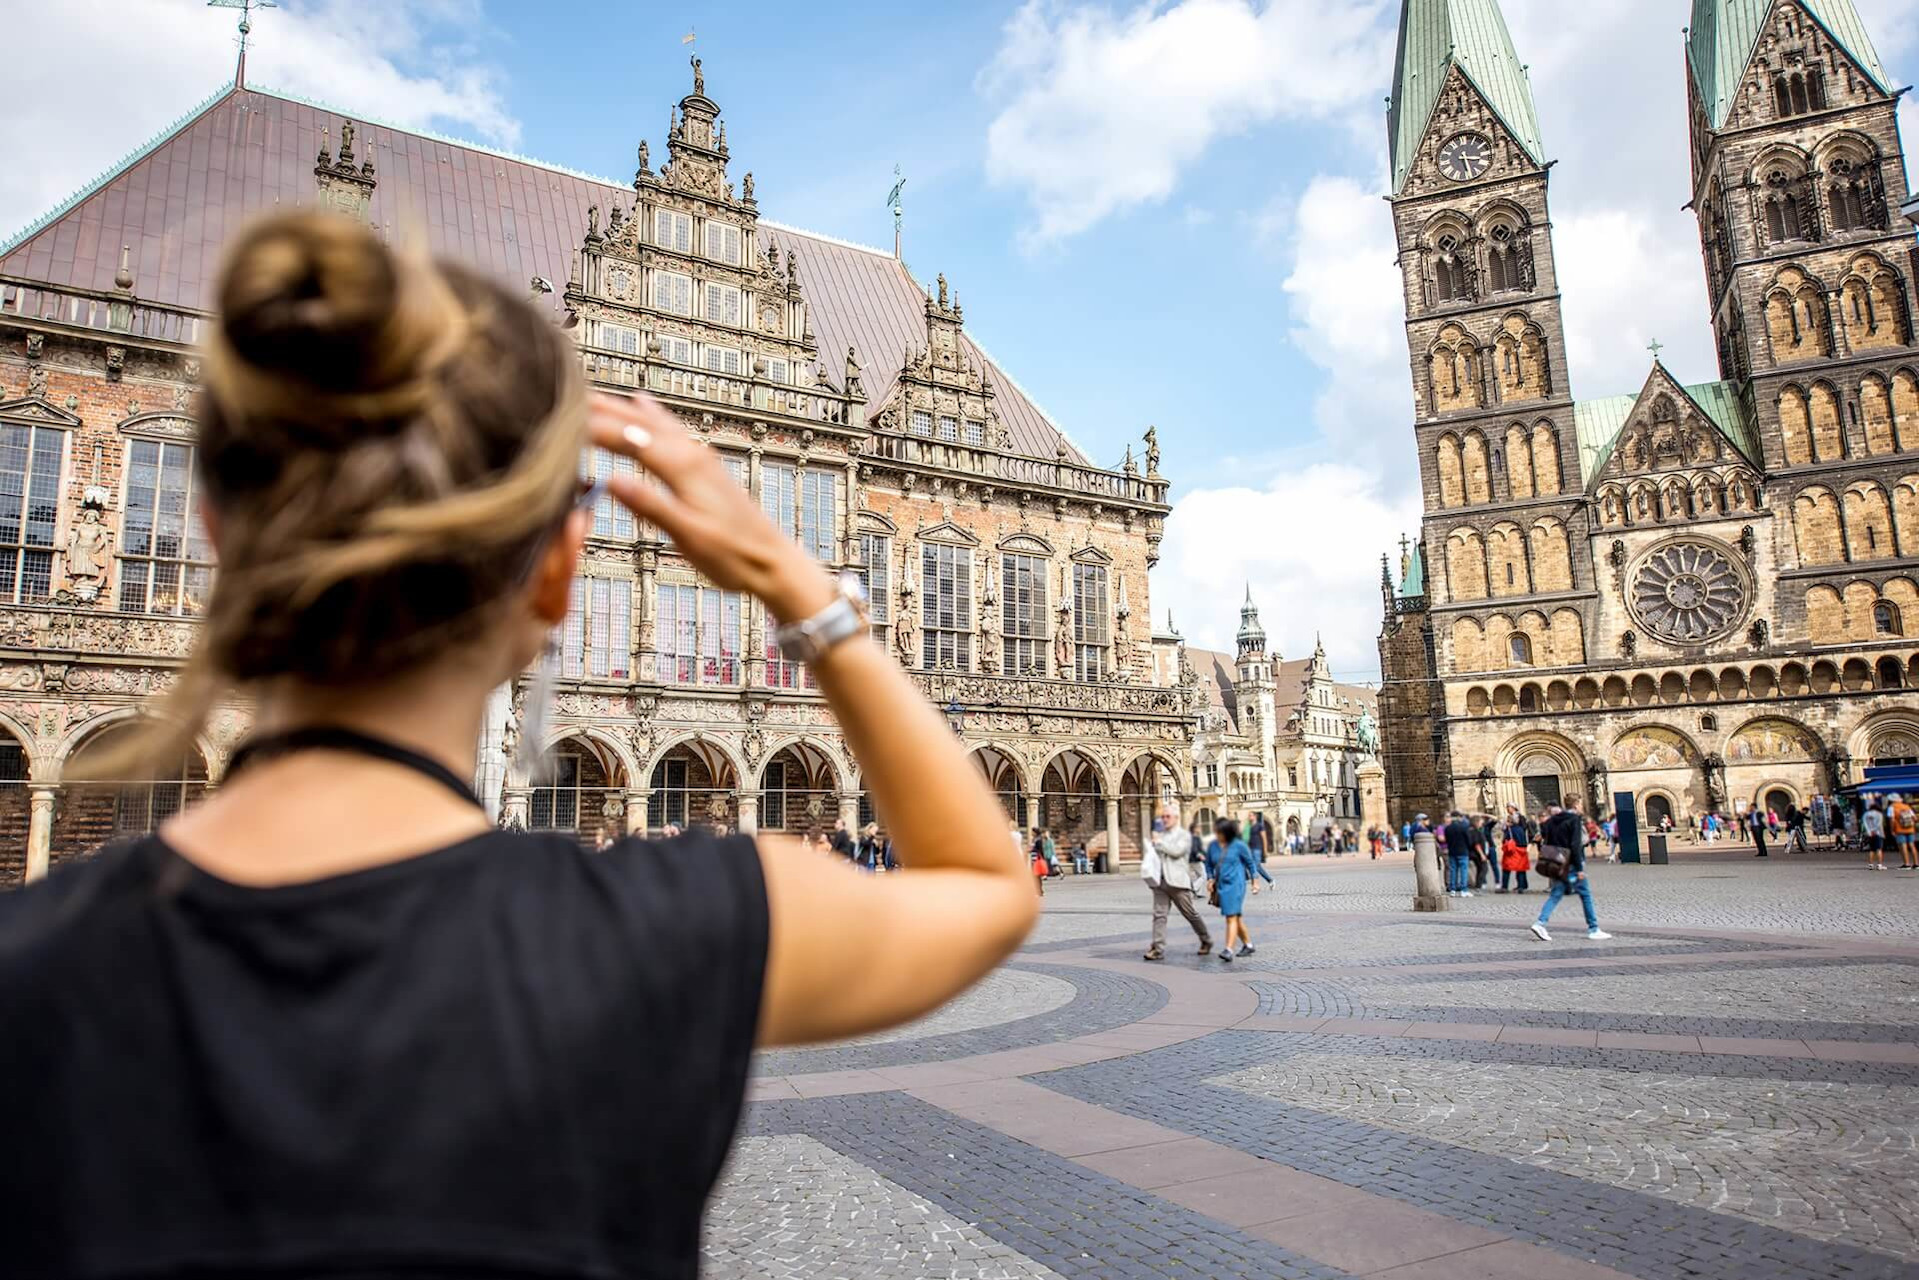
1429,887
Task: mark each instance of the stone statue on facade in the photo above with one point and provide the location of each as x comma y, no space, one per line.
699,78
989,641
1063,642
906,632
1152,451
87,547
855,386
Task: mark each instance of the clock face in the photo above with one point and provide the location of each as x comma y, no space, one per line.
1465,157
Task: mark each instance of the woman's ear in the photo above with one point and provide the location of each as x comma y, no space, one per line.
552,586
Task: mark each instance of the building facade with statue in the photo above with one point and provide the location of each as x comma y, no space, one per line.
1700,594
1277,737
1006,569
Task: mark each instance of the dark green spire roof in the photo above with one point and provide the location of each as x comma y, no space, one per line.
1435,35
1724,33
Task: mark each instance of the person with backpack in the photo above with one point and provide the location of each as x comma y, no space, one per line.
1562,845
1904,824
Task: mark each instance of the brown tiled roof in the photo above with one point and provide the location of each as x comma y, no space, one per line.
247,151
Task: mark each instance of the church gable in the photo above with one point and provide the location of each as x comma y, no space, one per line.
1673,460
1462,111
1774,59
1667,429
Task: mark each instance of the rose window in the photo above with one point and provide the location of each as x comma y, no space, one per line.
1686,592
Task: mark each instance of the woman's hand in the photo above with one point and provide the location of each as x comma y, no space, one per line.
713,522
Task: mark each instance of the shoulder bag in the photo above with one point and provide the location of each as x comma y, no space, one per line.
1553,861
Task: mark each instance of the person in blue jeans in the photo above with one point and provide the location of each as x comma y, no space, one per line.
1567,829
1459,855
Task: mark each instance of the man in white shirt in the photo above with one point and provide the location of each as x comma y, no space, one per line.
1169,873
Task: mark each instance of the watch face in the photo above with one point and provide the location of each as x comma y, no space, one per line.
1466,156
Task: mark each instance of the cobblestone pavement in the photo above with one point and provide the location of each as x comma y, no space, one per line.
1711,1142
791,1207
1728,1090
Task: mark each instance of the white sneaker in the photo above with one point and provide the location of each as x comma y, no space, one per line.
1598,935
1465,893
1539,931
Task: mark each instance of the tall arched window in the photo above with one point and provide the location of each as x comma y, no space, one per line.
1847,195
1886,620
1453,276
1782,211
1519,649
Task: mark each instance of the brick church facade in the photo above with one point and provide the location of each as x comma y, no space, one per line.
1007,570
1703,595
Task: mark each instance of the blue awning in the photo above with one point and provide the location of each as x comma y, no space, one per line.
1903,778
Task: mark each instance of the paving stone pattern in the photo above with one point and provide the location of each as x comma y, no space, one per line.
1816,895
1049,1210
1101,1002
1638,1233
1005,995
791,1208
1709,1142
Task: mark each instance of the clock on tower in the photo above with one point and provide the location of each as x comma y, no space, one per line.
1465,156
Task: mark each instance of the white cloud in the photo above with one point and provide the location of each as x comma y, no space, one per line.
1101,111
1345,300
147,61
1308,542
1309,536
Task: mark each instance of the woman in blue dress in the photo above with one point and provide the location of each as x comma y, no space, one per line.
1230,865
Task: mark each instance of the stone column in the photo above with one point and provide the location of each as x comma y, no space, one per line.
850,811
1112,835
40,832
515,803
1429,887
1032,815
749,812
636,802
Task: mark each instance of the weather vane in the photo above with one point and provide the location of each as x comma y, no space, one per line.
1655,346
893,203
246,8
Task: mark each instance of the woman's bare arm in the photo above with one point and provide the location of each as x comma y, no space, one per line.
850,952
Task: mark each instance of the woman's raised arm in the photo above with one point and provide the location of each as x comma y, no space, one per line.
849,952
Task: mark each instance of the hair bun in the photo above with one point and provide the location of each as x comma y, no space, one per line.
317,304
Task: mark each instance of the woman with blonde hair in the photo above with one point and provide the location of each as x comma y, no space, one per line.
331,1021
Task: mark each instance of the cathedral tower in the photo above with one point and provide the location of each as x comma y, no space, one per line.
1797,176
1504,530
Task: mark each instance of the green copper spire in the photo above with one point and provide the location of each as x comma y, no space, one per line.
1724,33
1436,35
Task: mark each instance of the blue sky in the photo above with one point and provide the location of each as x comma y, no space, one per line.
1166,213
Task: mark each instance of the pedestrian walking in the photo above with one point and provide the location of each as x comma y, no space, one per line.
1904,826
841,841
333,1021
1049,849
1563,836
1796,829
1872,828
1037,852
1259,838
1168,869
1515,856
1756,823
1459,854
1485,851
1231,867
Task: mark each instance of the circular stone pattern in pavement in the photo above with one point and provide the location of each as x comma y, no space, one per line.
1006,995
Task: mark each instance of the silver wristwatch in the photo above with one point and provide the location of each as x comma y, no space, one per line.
807,639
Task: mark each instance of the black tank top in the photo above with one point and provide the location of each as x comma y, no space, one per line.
507,1057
